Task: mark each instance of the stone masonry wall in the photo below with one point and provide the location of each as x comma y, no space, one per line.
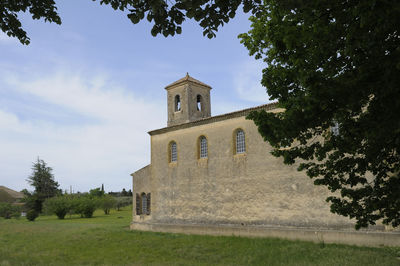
254,188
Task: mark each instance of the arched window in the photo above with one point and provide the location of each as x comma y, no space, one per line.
144,203
203,151
173,153
240,142
199,102
177,103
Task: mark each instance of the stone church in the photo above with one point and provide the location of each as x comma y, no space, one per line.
215,175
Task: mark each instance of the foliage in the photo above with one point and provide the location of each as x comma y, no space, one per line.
335,63
97,192
85,206
60,206
122,193
123,201
10,23
17,213
107,203
31,215
166,16
50,241
31,201
45,186
7,210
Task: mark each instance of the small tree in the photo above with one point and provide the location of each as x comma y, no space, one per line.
43,181
7,210
60,206
31,215
86,206
107,203
122,202
97,192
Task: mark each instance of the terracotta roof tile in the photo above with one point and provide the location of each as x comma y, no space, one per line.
187,78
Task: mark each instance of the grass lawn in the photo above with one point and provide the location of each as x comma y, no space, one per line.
106,240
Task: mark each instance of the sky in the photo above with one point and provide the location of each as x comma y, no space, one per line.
82,96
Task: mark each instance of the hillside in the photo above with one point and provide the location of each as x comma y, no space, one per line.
9,195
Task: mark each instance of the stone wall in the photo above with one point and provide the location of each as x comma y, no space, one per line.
254,188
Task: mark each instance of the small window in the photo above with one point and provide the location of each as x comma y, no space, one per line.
177,103
203,147
173,152
240,142
144,203
199,102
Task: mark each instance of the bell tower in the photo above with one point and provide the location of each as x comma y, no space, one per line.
188,100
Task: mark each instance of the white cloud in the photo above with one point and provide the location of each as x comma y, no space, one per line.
247,81
5,39
104,143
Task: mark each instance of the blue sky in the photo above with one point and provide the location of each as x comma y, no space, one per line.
83,95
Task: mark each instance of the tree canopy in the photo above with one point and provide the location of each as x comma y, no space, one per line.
166,16
334,68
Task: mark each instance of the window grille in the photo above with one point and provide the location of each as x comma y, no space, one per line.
203,147
174,154
144,203
240,142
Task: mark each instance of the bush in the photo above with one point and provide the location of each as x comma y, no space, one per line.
31,215
8,210
17,213
123,201
5,210
86,206
60,206
107,203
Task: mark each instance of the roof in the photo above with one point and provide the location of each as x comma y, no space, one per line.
212,119
185,79
12,193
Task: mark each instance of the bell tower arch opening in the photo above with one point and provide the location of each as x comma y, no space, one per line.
199,102
177,103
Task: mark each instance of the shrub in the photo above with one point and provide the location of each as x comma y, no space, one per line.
7,210
86,206
123,201
60,206
16,214
31,215
107,203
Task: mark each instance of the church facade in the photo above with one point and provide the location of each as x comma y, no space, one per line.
215,175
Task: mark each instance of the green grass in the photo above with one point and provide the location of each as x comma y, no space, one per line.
106,240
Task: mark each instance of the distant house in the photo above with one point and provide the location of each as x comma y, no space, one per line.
10,196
